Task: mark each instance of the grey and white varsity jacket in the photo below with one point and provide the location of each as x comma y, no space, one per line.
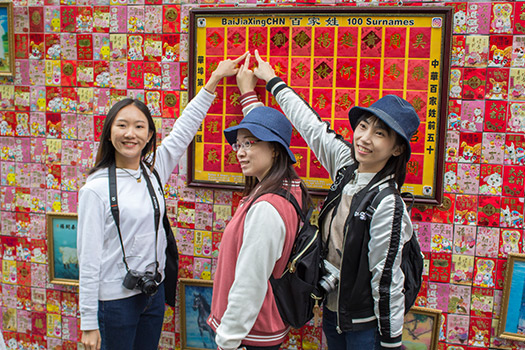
386,277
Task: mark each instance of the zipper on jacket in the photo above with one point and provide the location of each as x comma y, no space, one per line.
324,247
345,231
338,328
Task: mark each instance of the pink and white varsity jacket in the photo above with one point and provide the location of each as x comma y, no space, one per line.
256,243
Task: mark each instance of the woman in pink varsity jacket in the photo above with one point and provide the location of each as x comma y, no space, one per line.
257,242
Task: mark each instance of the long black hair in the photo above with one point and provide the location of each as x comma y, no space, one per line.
281,171
106,150
396,165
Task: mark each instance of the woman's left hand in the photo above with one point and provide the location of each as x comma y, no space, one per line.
264,69
226,68
246,80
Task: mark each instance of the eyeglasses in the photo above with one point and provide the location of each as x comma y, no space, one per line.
246,145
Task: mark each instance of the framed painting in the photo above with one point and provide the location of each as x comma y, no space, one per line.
7,52
62,248
421,328
335,58
195,303
512,320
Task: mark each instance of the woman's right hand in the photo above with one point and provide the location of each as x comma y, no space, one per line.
264,70
91,339
225,68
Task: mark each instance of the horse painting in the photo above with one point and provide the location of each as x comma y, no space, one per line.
201,305
196,297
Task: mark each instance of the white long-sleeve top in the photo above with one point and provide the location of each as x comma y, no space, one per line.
102,269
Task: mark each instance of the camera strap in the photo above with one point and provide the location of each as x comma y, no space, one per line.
115,211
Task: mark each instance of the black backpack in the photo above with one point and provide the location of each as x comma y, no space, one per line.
296,293
412,260
171,271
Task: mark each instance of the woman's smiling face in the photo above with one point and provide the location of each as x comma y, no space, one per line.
129,135
374,145
258,159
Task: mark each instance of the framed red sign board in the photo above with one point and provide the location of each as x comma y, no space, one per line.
336,58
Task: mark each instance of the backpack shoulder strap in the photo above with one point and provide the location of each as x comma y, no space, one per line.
378,198
406,195
165,220
287,195
385,192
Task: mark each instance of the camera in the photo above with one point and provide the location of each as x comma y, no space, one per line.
330,280
146,282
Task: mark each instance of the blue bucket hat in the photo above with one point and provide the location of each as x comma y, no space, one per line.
395,112
267,124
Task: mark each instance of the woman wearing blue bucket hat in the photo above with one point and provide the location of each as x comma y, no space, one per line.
365,306
257,242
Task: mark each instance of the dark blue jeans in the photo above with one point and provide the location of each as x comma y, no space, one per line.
275,347
132,323
367,339
249,347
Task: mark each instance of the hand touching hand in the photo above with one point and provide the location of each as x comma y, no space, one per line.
226,68
264,70
246,80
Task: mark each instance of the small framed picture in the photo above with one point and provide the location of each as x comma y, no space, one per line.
195,307
7,47
421,328
512,320
62,248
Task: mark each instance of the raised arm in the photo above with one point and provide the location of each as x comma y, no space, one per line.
330,148
186,126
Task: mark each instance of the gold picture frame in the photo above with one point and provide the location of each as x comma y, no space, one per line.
195,302
7,47
512,320
62,248
422,327
327,43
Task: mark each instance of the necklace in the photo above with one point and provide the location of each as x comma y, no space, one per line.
130,174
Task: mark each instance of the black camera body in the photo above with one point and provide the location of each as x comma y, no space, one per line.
146,282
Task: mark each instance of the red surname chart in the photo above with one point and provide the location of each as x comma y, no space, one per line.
334,62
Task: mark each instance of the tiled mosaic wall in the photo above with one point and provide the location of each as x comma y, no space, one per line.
74,58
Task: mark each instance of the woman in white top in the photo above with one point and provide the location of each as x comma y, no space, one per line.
121,269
